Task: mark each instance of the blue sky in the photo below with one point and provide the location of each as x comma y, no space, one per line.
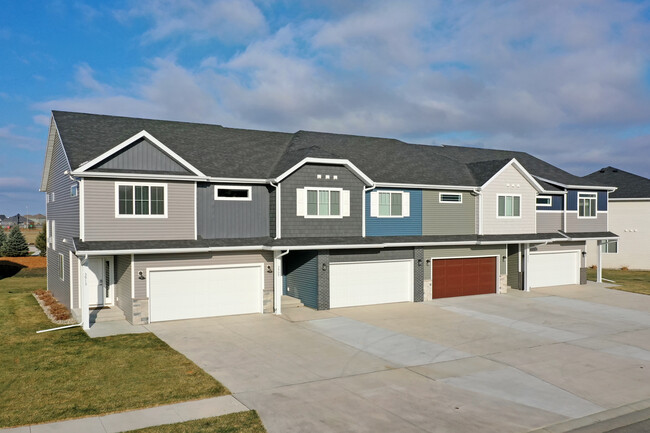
568,82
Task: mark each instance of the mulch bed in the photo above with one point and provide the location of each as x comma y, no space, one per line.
28,262
53,309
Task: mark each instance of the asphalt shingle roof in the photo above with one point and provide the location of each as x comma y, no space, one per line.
629,185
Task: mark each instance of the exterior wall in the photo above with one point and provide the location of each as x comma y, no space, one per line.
575,224
272,229
509,182
300,270
557,203
572,199
323,280
74,271
64,212
298,226
101,224
631,221
549,222
142,156
232,219
418,275
370,255
391,226
563,246
142,262
123,285
448,218
513,266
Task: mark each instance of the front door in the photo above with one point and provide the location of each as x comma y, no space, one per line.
98,281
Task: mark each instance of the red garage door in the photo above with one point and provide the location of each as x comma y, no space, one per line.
462,277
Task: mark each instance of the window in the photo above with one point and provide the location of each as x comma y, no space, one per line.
450,198
509,206
587,204
323,202
610,247
235,193
544,200
74,190
141,200
61,269
390,204
52,198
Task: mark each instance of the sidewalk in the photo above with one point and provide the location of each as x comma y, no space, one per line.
136,419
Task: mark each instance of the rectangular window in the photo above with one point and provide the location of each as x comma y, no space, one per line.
450,198
610,247
61,269
234,193
509,206
74,190
141,200
587,204
323,202
544,200
390,204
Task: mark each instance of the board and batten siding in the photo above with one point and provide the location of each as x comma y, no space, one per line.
396,226
102,225
576,224
123,281
306,176
509,182
513,266
64,212
232,218
301,276
448,218
150,261
141,156
549,222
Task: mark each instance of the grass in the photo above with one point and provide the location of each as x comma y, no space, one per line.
629,281
242,422
65,374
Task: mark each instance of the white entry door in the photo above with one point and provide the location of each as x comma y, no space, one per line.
97,279
553,268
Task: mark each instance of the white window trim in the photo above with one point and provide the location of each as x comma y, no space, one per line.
340,190
52,197
607,243
550,201
61,267
591,196
74,190
149,184
249,197
391,204
440,200
509,217
53,237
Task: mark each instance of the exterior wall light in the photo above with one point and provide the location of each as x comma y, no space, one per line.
324,267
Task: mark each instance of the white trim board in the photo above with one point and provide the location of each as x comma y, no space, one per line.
330,161
520,168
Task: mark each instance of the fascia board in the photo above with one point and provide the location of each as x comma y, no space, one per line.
604,188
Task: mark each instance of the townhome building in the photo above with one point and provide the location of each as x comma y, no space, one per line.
167,220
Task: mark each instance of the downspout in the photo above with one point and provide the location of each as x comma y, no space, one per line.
476,192
277,281
278,214
363,206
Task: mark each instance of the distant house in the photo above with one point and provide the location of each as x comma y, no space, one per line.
629,217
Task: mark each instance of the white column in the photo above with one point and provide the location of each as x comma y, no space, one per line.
83,295
277,282
526,257
599,271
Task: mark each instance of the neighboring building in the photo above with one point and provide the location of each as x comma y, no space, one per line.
172,220
629,217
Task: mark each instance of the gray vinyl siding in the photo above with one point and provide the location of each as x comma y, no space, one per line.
75,280
301,276
148,261
575,224
468,251
298,226
102,225
272,206
65,212
231,218
563,246
448,218
142,156
513,266
370,255
549,222
123,285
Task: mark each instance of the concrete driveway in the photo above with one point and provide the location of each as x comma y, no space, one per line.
489,363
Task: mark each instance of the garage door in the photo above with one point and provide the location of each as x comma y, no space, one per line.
188,293
462,277
368,283
553,268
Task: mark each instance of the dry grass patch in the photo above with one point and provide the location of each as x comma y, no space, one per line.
626,280
241,422
32,262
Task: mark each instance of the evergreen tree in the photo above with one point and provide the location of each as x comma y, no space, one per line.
41,241
15,245
3,239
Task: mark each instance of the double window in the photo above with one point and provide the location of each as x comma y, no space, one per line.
390,204
509,206
141,200
323,202
587,204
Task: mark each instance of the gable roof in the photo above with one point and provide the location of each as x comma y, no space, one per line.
629,185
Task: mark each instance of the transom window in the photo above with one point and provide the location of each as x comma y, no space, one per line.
587,204
141,200
323,202
544,200
450,198
390,204
509,206
235,193
610,247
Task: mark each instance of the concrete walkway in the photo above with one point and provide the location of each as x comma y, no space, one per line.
137,419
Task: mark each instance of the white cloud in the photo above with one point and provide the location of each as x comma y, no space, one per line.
9,139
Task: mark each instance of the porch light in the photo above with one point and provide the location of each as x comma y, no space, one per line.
324,267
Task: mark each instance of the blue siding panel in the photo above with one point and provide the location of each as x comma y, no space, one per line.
557,203
301,277
602,200
408,226
572,199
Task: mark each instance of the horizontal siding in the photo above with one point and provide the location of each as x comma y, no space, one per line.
448,218
368,255
123,285
101,223
406,226
575,224
509,182
301,276
470,251
549,222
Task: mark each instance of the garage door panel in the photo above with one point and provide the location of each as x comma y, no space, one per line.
370,283
462,277
553,268
194,293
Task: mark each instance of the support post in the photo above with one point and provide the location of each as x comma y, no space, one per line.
525,267
277,281
83,295
599,271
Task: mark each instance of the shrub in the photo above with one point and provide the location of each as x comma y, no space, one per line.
41,241
3,239
15,245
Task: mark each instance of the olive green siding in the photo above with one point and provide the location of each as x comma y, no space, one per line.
448,218
513,266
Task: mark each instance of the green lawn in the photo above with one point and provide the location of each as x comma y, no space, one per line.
629,281
242,422
65,374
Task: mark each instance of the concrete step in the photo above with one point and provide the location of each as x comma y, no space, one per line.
106,314
291,302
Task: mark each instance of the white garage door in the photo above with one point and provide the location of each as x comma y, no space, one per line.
367,283
187,293
553,268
